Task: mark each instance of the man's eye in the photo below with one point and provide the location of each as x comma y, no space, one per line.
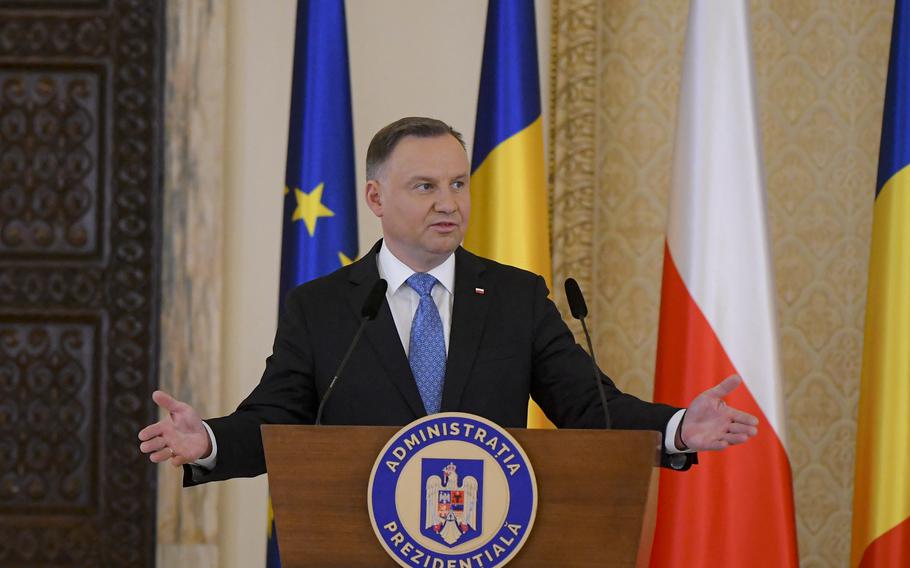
458,184
424,186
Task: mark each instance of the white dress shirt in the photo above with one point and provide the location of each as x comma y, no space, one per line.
403,302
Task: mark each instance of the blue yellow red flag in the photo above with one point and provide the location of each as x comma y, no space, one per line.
320,215
509,210
881,496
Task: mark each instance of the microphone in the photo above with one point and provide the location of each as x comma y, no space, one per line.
368,313
580,311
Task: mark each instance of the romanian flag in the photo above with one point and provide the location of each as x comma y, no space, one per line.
320,214
881,495
717,311
509,215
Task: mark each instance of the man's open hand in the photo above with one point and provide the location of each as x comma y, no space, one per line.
709,424
179,437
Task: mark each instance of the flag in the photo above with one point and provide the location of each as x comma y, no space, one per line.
509,215
320,214
717,311
881,495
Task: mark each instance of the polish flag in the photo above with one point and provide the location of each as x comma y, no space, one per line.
717,313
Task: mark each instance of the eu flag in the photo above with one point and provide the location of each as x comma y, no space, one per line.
320,215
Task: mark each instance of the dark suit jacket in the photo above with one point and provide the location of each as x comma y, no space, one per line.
504,344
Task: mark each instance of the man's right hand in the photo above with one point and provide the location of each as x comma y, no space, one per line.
179,437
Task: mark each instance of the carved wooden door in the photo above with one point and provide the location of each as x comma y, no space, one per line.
81,90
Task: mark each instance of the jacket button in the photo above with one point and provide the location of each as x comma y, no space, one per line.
678,461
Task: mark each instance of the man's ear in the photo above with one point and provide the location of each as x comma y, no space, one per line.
374,197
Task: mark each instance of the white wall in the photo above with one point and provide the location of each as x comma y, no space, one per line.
408,57
260,52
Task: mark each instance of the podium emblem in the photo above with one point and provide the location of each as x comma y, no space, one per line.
452,500
452,489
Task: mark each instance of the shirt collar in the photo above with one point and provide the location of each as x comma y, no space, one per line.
396,272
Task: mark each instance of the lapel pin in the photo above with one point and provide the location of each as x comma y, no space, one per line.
479,291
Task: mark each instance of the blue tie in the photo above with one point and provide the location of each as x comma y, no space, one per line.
427,351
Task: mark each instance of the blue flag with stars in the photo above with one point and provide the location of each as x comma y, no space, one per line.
320,213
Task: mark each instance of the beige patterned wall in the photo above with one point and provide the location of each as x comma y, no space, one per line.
820,70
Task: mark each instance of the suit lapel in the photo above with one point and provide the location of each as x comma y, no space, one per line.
382,333
468,317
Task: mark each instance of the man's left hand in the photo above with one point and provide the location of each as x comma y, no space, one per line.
709,424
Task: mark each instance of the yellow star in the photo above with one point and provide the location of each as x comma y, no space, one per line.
310,207
344,259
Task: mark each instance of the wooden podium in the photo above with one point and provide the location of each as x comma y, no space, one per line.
597,495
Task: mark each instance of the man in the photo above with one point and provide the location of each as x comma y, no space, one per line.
457,333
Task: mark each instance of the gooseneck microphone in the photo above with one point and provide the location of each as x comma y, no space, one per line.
367,314
580,311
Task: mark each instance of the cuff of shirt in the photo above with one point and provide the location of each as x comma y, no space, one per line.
209,462
670,435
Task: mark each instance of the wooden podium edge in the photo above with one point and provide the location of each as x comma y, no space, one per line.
649,522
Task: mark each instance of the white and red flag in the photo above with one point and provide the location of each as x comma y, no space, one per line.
717,313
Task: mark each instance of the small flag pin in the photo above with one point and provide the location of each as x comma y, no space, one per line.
479,291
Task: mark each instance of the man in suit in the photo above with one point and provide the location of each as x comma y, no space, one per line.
458,333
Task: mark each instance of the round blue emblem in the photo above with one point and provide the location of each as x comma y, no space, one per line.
452,489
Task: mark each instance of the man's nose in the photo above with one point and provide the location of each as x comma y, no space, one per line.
445,202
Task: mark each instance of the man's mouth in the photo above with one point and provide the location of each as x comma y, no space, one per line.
445,226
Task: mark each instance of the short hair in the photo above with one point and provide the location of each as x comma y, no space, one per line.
388,137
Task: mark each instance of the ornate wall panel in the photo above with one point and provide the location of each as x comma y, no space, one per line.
80,145
572,144
49,157
820,69
46,449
